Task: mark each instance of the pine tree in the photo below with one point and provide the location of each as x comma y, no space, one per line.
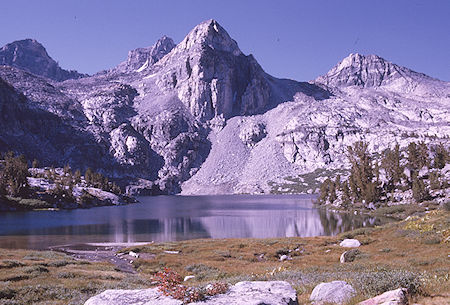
332,191
324,191
420,192
413,157
67,170
77,177
35,163
361,173
391,163
14,175
337,182
88,176
346,199
372,192
435,183
422,155
441,156
353,191
116,189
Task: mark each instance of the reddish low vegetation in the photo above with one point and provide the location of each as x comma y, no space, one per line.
169,283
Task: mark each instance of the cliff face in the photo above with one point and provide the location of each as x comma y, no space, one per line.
202,117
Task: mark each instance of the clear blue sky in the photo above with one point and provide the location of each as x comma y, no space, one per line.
293,39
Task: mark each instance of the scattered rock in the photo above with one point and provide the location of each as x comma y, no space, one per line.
285,258
243,293
337,292
393,297
350,243
133,254
349,256
252,132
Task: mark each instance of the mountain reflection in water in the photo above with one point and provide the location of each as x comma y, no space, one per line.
170,218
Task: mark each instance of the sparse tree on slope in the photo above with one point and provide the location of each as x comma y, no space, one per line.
441,156
391,163
361,173
14,175
420,192
324,191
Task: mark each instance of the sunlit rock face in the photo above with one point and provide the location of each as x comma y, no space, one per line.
201,117
211,76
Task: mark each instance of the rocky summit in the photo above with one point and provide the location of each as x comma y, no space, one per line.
202,117
31,56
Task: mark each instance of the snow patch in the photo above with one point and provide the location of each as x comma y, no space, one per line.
143,67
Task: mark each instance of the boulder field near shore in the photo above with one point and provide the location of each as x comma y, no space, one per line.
253,293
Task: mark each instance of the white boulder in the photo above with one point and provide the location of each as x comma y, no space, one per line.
350,243
188,277
336,292
393,297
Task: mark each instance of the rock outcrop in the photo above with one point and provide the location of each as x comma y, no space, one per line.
394,297
336,292
349,256
244,293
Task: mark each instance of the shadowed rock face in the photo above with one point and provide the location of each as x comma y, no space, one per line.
202,117
31,56
42,134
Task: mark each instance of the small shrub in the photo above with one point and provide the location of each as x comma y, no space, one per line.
7,264
281,252
379,281
223,253
216,288
66,275
354,233
446,205
202,271
432,241
61,263
6,292
37,269
169,283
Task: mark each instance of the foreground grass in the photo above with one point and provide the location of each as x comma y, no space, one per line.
412,254
47,277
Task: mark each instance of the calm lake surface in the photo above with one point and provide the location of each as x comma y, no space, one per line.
170,218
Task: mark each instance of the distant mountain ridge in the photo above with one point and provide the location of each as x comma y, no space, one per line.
31,56
370,71
201,117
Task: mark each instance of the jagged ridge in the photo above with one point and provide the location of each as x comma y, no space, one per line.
204,112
